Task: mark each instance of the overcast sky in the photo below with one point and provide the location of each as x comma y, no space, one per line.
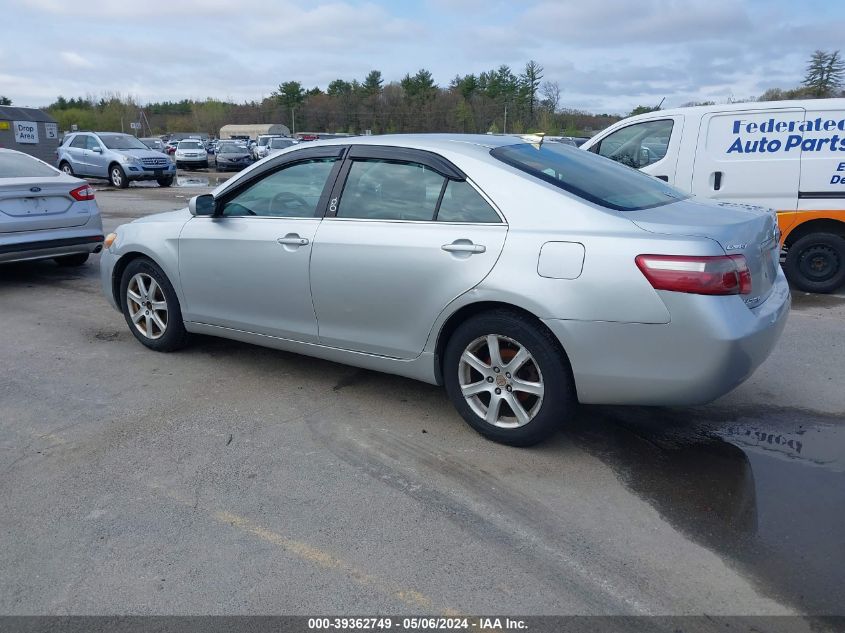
607,55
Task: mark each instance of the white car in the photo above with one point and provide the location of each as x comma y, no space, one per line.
276,145
45,214
262,146
190,153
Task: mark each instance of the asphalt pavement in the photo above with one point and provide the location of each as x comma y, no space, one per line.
228,478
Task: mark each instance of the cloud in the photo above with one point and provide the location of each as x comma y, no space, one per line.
75,60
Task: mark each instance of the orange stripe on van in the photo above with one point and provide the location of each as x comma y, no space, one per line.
789,220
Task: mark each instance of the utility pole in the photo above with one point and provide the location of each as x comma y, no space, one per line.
505,126
293,120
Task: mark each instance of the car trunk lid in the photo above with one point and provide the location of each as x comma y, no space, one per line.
31,204
739,229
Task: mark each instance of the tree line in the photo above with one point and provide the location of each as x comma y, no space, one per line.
497,100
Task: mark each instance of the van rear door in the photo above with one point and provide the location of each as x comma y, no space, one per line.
823,160
750,156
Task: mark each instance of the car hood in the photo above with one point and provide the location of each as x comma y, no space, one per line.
182,215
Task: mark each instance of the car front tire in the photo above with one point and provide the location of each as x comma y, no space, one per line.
816,262
165,182
151,307
508,378
118,177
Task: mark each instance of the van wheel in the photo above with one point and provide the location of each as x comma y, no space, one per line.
66,168
118,177
508,378
816,262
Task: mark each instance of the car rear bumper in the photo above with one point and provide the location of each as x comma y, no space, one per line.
19,251
710,346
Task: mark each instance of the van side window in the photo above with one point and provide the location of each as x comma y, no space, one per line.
639,144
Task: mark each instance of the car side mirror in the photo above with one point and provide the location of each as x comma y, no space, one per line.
202,205
98,150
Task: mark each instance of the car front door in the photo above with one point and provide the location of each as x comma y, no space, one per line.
98,163
405,234
246,267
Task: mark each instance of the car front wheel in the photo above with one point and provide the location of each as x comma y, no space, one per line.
118,177
165,182
151,307
508,378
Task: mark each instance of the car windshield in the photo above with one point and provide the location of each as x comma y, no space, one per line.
280,143
596,179
17,165
231,148
191,145
121,141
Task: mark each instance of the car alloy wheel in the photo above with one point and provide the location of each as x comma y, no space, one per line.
67,169
147,306
501,381
117,177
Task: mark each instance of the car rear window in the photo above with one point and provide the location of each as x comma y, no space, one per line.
596,179
16,165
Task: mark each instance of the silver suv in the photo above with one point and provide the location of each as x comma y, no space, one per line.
120,158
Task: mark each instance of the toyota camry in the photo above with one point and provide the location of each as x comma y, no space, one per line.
524,276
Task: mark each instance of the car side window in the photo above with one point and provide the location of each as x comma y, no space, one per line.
80,142
291,192
390,190
639,144
92,142
462,203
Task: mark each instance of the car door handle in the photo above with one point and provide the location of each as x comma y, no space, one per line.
464,247
293,240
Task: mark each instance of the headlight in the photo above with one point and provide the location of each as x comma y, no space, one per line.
131,159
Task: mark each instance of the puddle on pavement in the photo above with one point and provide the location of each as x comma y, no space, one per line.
196,180
764,488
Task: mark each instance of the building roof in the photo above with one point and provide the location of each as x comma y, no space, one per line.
11,113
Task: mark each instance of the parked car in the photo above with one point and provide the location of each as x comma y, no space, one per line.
153,143
120,158
524,276
782,154
231,155
260,149
276,145
44,213
170,147
190,154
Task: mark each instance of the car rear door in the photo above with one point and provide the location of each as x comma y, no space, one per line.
247,268
750,156
75,153
405,234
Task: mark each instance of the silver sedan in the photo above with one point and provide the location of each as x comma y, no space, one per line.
44,213
524,276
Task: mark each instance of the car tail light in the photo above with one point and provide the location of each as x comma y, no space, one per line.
718,275
85,192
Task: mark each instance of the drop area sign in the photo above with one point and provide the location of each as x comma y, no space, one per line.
26,131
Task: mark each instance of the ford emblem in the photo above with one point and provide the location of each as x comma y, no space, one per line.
35,189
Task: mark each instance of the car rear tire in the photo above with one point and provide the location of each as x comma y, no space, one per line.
66,168
117,177
72,260
508,378
816,262
165,182
151,307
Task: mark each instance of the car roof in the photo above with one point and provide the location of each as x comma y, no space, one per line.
472,144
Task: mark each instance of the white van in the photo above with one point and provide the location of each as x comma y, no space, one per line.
788,155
